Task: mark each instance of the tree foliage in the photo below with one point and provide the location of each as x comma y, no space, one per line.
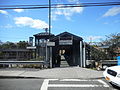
97,54
11,45
113,41
22,44
8,45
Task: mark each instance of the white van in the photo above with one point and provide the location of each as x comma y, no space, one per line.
112,75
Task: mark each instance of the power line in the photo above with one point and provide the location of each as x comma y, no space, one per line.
61,4
2,7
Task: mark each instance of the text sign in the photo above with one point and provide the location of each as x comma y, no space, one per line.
50,43
65,42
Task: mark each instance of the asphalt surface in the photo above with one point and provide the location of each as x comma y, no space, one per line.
20,84
69,78
68,72
53,84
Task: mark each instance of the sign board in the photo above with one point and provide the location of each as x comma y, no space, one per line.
50,43
31,47
118,59
65,42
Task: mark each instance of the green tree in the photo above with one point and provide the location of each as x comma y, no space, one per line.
8,45
97,54
22,45
113,41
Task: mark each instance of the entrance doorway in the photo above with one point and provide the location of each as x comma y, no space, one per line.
64,56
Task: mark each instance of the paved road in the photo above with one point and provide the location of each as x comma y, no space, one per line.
62,73
54,84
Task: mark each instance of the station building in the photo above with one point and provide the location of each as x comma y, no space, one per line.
62,50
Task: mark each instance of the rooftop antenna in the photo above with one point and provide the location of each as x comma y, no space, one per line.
46,29
91,40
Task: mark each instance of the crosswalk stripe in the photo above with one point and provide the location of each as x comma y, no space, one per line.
73,85
76,80
46,84
105,84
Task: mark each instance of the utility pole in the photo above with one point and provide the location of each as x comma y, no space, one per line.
49,17
50,61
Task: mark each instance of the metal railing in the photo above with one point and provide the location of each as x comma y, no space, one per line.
23,62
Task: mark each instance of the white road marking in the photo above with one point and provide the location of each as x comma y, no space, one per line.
46,84
74,85
76,80
104,83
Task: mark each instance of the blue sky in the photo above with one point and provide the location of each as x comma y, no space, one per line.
87,22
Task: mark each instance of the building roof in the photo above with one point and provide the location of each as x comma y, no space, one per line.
43,34
104,47
66,34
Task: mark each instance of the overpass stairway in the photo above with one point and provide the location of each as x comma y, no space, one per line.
64,63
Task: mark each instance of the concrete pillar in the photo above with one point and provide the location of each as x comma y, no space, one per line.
50,57
84,56
46,56
81,55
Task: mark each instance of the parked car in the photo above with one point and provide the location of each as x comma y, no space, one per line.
112,75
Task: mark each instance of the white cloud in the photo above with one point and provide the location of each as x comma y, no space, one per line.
19,10
112,12
67,12
4,12
93,38
33,23
105,23
8,26
72,1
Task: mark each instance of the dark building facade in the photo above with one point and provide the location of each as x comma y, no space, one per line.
66,49
42,50
67,45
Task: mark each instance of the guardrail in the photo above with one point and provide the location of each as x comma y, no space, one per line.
23,62
109,61
102,61
102,64
42,63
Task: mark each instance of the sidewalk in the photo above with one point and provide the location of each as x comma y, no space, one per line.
59,73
